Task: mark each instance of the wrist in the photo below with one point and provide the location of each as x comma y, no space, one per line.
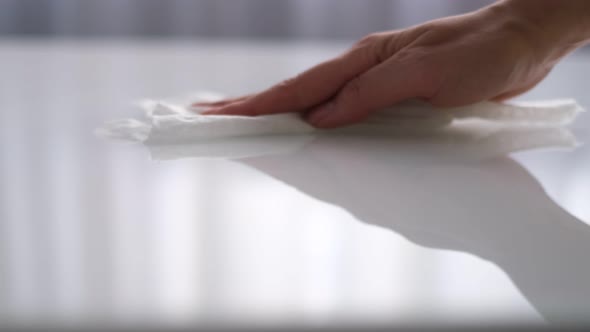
553,28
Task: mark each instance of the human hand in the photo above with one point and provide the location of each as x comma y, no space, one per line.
491,54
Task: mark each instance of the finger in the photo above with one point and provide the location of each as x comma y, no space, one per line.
513,93
384,85
509,95
219,102
307,89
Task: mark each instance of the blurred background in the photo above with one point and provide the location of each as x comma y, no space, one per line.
274,19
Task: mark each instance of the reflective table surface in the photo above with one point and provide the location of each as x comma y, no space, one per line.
468,227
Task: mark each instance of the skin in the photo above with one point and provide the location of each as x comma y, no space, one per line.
495,53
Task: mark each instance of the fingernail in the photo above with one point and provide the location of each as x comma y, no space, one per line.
319,116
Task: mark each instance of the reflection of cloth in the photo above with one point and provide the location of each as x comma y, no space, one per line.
479,141
169,122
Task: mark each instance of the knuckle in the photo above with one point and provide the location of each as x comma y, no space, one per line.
377,47
368,40
352,93
369,43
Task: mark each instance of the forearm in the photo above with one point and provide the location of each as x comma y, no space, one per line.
556,26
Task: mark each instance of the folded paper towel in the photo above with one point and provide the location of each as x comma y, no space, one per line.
173,122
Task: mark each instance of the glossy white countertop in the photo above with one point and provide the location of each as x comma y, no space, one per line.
438,230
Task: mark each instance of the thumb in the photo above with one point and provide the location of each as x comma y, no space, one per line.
384,85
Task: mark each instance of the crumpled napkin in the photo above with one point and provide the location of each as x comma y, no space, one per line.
173,122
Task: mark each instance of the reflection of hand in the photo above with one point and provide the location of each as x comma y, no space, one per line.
494,53
437,195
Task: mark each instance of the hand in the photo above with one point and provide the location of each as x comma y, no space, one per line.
490,54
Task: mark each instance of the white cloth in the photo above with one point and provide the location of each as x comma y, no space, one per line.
478,140
172,122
